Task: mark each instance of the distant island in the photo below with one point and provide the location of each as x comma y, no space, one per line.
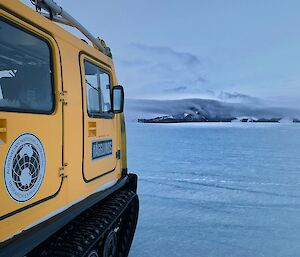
191,118
206,110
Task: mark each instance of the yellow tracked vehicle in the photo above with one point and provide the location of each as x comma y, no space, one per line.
64,187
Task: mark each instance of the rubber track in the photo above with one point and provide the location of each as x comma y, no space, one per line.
78,237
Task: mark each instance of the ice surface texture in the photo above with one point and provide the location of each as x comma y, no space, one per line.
216,189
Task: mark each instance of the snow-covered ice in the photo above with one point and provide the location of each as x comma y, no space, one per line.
216,190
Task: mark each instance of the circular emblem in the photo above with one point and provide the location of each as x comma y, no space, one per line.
24,167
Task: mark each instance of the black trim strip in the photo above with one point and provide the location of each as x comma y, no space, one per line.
94,178
23,243
108,115
24,19
94,58
33,204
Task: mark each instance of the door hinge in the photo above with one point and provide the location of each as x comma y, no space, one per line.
118,155
62,97
62,171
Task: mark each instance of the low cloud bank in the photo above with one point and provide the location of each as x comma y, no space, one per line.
137,108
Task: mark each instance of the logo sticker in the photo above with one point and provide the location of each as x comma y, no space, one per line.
24,167
101,148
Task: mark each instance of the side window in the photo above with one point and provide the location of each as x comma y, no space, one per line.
97,89
25,71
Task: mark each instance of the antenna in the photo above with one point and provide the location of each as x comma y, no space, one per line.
58,14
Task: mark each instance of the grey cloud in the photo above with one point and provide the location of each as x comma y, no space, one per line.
156,70
176,89
132,62
226,96
201,79
185,57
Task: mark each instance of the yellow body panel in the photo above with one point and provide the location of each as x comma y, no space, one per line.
62,133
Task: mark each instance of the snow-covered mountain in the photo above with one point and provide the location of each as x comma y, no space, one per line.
204,109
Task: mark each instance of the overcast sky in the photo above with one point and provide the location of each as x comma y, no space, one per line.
214,48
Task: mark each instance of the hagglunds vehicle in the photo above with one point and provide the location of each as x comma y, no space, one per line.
64,185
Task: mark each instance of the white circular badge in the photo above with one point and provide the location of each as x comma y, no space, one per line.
24,167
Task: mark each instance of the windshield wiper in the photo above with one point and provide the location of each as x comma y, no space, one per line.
91,86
